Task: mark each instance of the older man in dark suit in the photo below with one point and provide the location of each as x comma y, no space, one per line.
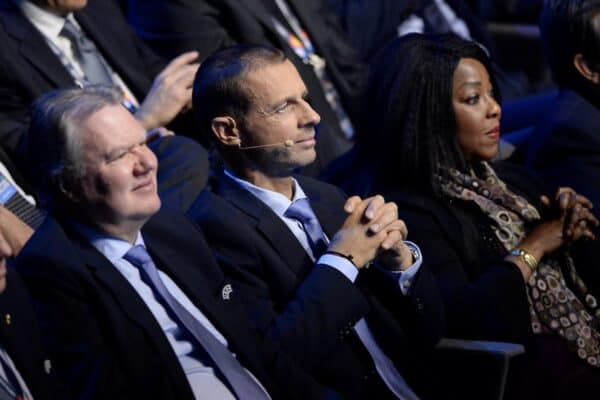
277,234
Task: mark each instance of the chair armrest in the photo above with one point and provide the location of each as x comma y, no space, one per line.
501,348
474,369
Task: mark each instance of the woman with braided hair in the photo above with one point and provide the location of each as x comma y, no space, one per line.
511,263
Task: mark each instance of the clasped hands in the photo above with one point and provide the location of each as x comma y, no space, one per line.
372,229
570,220
574,211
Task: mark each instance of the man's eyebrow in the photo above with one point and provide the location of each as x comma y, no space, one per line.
116,151
278,103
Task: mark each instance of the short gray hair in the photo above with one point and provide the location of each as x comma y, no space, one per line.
53,144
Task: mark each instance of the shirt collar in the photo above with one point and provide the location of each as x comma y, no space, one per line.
49,24
112,248
274,200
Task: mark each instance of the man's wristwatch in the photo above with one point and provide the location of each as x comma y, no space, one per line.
527,258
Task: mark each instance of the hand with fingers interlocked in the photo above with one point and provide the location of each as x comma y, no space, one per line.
372,228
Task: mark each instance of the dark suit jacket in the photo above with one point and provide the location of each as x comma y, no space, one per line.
20,337
310,309
108,345
29,68
565,145
174,26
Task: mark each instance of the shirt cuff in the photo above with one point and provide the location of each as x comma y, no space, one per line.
342,264
405,278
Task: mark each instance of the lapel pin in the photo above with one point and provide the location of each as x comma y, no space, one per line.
8,319
47,366
226,291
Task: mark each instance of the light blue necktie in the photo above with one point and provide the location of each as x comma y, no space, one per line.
301,211
244,387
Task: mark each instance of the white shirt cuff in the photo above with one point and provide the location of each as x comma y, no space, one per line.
405,278
341,264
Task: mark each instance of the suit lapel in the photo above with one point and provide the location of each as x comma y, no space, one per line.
33,47
125,295
196,273
305,17
268,225
130,303
256,8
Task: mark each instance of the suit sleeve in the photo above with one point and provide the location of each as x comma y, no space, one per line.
490,305
419,313
173,27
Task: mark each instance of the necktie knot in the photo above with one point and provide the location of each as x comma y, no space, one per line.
300,210
71,32
138,256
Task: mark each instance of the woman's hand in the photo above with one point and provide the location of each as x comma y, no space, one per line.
571,220
579,221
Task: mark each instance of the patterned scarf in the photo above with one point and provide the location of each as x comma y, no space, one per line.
572,313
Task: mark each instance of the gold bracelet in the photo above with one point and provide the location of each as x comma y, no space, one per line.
527,258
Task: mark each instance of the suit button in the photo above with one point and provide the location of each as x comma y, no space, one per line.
420,305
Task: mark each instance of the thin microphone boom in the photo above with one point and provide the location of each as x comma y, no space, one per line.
287,143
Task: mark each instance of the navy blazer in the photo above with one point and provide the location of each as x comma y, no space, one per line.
311,309
20,337
106,342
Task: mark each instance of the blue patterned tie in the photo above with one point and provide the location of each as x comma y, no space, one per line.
301,211
239,379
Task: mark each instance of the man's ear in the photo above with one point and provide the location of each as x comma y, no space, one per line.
68,187
584,69
226,131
